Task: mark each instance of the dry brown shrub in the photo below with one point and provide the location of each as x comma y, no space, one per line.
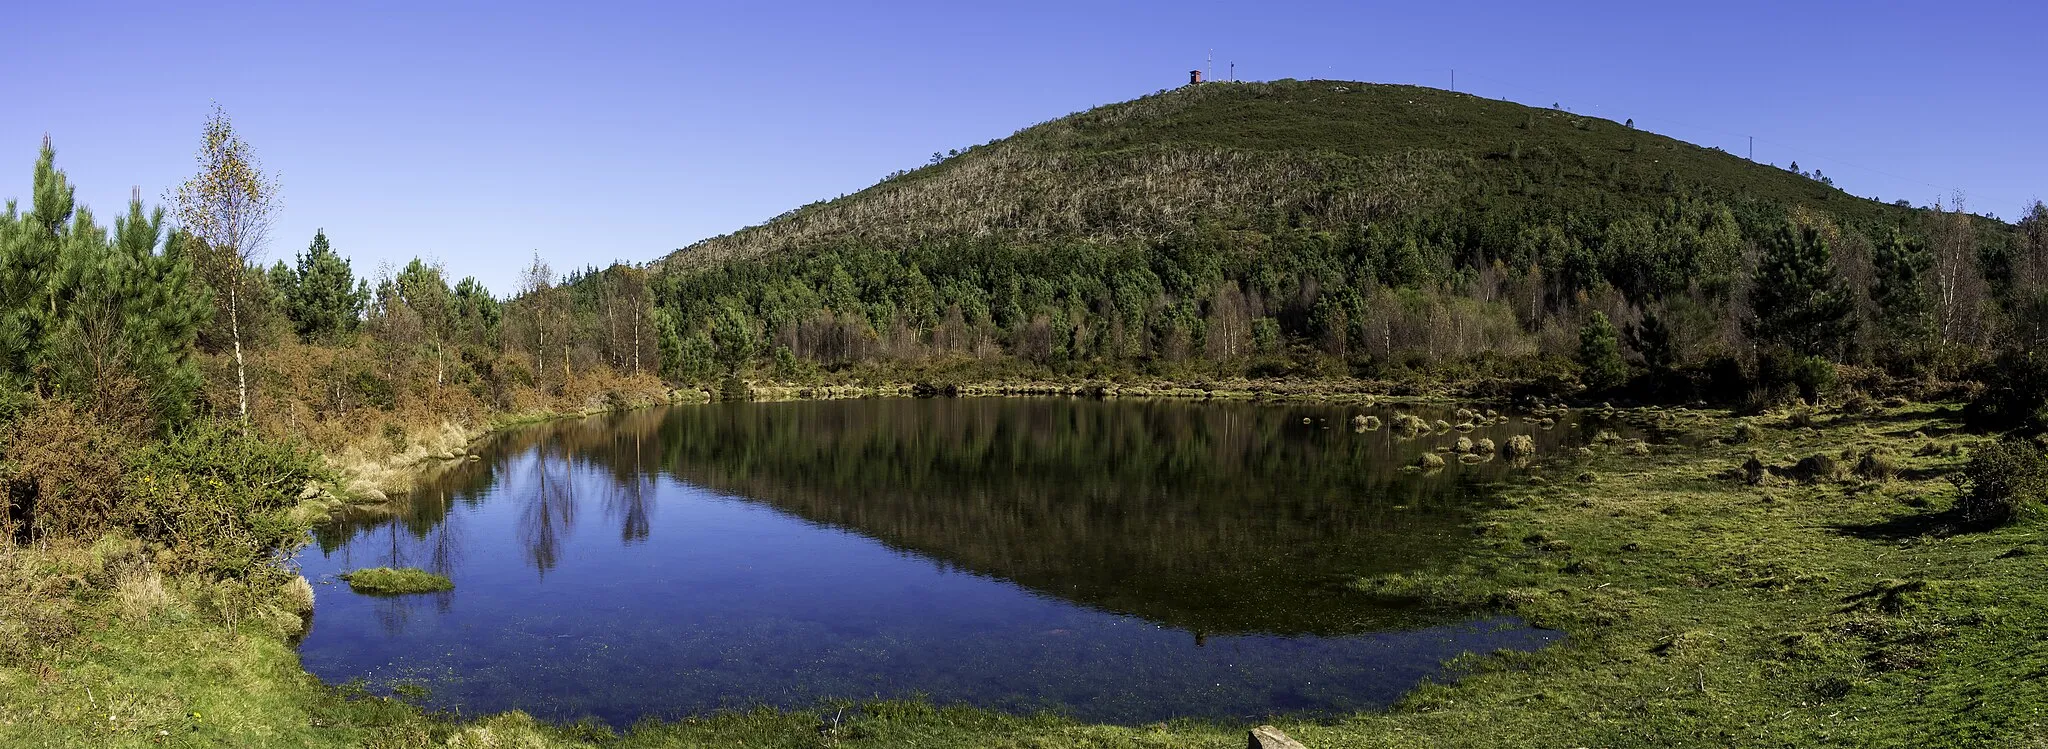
64,471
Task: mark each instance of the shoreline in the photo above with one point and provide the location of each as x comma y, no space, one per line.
1696,607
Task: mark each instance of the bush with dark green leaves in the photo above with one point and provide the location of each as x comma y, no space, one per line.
732,388
217,499
2003,482
207,496
1782,371
2015,395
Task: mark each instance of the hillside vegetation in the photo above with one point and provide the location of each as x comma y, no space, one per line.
1333,228
1257,156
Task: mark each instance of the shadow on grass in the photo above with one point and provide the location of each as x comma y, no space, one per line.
1926,474
1941,524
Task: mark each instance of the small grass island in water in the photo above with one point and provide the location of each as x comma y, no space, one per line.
385,581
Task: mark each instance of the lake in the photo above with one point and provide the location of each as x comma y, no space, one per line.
1115,560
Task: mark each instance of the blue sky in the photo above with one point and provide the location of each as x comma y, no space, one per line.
475,134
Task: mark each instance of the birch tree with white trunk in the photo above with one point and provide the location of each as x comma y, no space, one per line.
226,210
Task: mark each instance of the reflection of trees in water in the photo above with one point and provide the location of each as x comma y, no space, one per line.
407,541
447,544
1215,518
628,495
550,510
540,466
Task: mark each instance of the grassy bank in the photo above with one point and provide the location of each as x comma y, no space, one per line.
1702,609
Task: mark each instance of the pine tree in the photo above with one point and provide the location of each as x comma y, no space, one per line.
1600,355
477,313
1799,302
732,331
105,320
28,264
1652,340
128,320
324,300
423,290
282,282
1904,310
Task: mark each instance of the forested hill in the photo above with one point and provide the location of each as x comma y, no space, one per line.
1318,154
1330,227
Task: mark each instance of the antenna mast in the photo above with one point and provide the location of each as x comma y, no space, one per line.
1209,67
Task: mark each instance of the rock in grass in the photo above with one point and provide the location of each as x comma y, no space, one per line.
385,581
1521,446
1268,737
1429,461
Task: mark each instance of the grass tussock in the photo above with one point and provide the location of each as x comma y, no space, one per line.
386,581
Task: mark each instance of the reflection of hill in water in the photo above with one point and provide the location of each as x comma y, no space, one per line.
1215,518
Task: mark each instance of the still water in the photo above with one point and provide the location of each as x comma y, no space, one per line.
1123,561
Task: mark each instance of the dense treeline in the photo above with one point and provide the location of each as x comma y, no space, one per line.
1730,280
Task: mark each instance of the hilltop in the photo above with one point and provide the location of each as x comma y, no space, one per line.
1323,154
